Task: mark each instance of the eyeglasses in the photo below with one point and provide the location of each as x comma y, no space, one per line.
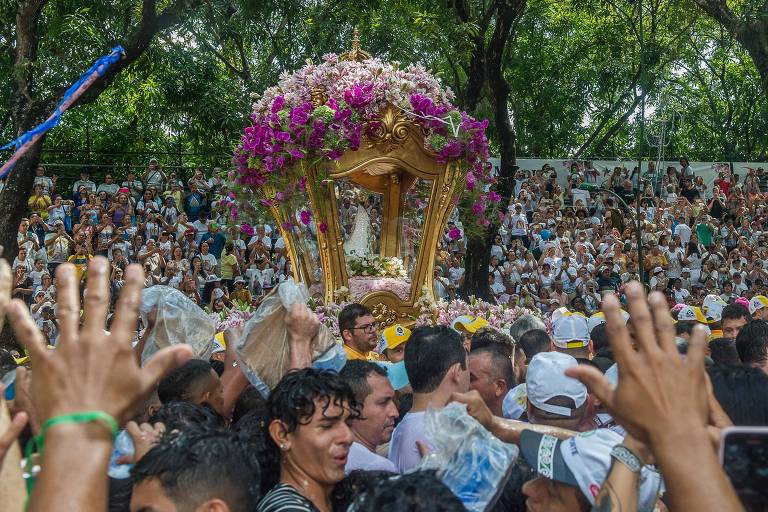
372,327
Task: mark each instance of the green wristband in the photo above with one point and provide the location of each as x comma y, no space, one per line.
79,417
76,417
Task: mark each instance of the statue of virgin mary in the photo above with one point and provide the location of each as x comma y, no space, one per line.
359,242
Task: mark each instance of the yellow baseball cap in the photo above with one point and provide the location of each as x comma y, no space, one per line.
467,323
392,337
757,302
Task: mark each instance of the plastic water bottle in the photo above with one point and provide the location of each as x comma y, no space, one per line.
123,446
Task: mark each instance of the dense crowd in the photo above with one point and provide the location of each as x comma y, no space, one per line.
616,402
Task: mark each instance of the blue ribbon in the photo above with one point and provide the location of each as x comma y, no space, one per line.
99,68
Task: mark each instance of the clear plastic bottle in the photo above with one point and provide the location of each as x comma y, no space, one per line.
123,446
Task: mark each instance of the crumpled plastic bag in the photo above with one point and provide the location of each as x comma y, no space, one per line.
263,348
468,459
179,320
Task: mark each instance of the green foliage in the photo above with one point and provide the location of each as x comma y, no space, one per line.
572,68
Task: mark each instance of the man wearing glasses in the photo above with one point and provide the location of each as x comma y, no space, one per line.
358,330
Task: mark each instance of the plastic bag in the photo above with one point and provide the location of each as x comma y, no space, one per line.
179,320
468,459
263,348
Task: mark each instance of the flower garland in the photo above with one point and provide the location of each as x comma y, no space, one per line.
288,133
375,266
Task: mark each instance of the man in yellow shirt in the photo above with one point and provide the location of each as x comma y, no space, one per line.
241,293
358,331
80,260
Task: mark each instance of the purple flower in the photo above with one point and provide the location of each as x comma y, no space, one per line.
306,217
266,202
280,196
359,96
494,197
296,153
277,104
478,208
454,233
299,115
323,227
246,229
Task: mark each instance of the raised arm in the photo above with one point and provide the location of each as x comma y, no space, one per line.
108,385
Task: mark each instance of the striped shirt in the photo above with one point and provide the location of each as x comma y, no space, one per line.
284,498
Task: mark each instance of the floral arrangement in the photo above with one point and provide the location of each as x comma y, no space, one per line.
375,266
289,132
444,313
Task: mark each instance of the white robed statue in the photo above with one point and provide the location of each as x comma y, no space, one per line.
359,242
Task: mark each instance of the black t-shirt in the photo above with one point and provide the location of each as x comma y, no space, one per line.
690,194
284,498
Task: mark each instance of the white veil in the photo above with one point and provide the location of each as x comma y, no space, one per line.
359,242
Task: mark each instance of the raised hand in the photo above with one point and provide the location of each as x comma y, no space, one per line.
657,389
90,369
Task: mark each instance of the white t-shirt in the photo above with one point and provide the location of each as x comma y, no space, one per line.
403,451
361,457
684,231
519,225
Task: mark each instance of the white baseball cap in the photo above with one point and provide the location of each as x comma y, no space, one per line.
515,402
583,461
691,314
217,293
757,302
712,307
570,329
656,270
599,318
546,379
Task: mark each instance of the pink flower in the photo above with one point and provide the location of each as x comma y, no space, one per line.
323,227
454,233
306,217
493,196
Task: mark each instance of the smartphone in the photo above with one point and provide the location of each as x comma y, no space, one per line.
744,456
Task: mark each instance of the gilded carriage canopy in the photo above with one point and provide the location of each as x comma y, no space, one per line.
361,163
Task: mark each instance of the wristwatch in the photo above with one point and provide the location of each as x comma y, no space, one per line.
624,455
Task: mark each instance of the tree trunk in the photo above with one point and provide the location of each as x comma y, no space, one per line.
479,246
27,110
751,33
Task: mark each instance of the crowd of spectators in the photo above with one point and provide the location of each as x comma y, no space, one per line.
178,231
617,404
566,245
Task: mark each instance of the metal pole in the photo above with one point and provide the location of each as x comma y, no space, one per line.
638,227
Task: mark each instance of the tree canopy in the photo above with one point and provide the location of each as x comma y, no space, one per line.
571,68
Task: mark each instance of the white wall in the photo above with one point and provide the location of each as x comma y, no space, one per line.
705,169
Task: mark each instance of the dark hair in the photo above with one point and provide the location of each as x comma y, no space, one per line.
742,392
7,362
420,491
599,337
249,400
255,424
487,336
500,362
350,314
430,353
355,373
534,342
752,342
734,312
180,383
197,464
684,327
356,483
218,366
179,415
292,402
723,351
